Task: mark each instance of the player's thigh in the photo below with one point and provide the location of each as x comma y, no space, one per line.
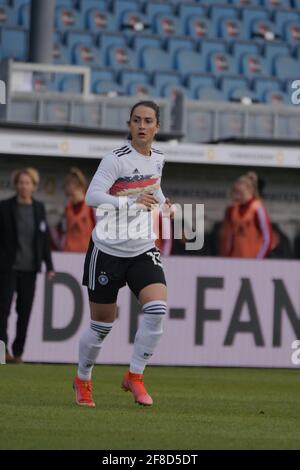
146,278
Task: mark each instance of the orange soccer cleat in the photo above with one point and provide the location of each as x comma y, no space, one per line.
83,392
135,383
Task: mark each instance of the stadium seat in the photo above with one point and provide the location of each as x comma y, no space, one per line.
166,25
120,57
65,3
249,15
101,73
232,29
291,32
241,48
198,27
228,84
275,3
281,17
296,4
61,54
24,15
85,54
71,84
221,63
240,94
246,3
170,90
211,45
263,29
262,85
14,43
219,12
133,22
189,10
86,5
98,21
8,16
213,2
253,66
286,67
209,94
68,18
152,8
187,62
72,38
160,79
139,42
107,87
155,60
275,97
273,50
297,52
126,77
104,40
176,43
140,89
195,81
119,6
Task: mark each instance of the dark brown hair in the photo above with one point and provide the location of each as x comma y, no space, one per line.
147,104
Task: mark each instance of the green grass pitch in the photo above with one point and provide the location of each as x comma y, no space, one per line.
194,408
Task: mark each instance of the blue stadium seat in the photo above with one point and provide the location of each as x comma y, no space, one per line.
211,45
262,85
14,43
64,3
246,3
297,52
126,77
281,17
67,18
166,25
140,89
161,79
218,12
253,66
121,57
61,54
187,62
213,2
98,21
232,29
198,27
240,48
296,4
286,67
72,38
17,3
107,87
176,43
263,29
44,82
228,84
85,54
8,16
209,94
291,32
152,8
71,84
276,97
250,14
221,63
275,3
195,81
101,73
139,42
185,11
104,40
171,90
239,94
119,6
86,5
153,60
133,22
273,50
24,15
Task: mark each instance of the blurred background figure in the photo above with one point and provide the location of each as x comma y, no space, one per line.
24,244
246,230
74,231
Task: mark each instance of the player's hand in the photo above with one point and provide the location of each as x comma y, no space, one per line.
169,208
50,275
147,200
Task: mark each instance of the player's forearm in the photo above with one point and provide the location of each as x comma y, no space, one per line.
95,198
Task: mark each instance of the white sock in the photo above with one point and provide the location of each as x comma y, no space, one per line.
148,335
89,347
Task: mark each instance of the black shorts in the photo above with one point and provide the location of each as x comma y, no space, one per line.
105,274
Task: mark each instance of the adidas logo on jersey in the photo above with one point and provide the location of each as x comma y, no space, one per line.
136,172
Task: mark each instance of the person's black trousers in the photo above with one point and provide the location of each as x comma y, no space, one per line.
23,283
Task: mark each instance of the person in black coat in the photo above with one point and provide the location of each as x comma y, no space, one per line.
24,245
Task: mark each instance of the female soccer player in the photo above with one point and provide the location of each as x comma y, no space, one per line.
246,231
127,178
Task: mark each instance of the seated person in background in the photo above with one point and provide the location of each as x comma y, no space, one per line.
246,230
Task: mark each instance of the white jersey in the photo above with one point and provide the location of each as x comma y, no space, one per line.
121,177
